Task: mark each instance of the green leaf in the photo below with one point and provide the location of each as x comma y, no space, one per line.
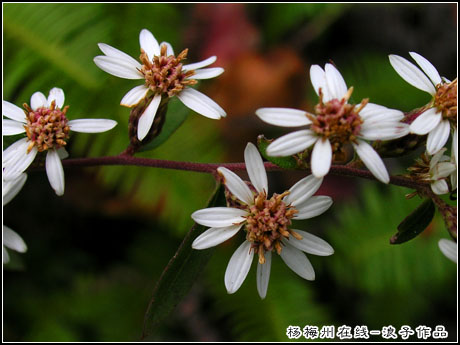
402,282
38,32
414,223
283,162
180,273
176,115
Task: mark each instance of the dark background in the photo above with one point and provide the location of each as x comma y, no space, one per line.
95,254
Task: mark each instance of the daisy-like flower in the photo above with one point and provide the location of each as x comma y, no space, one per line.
164,76
335,124
266,223
448,248
441,167
47,128
454,160
11,239
440,116
436,171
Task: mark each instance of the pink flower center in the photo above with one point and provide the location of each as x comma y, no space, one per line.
46,128
337,120
164,74
268,223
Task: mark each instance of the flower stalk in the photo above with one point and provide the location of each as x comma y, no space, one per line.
211,168
136,112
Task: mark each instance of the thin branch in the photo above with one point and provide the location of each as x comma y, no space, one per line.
338,170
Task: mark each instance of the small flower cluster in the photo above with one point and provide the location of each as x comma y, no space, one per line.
438,119
47,127
335,125
164,77
266,223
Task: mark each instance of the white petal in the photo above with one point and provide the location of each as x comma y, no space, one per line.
18,161
214,236
440,187
318,80
379,130
438,137
427,67
378,112
38,100
13,112
255,168
149,44
372,161
11,152
297,261
169,48
453,176
292,143
62,152
321,158
454,146
91,125
263,275
6,257
412,74
55,171
118,54
12,127
311,244
426,122
134,96
448,248
57,95
442,170
219,217
201,103
146,120
207,73
201,64
284,117
313,207
236,186
12,187
303,190
437,157
335,82
118,67
13,241
238,267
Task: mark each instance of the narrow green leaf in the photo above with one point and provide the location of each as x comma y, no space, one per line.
283,162
180,273
175,117
414,223
54,53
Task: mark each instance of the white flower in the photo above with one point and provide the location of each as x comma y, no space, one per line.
164,75
441,167
448,248
47,129
266,223
335,124
454,160
440,117
10,238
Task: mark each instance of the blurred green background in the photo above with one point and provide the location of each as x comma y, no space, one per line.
95,254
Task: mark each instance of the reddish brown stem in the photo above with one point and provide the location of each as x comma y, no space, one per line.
339,170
